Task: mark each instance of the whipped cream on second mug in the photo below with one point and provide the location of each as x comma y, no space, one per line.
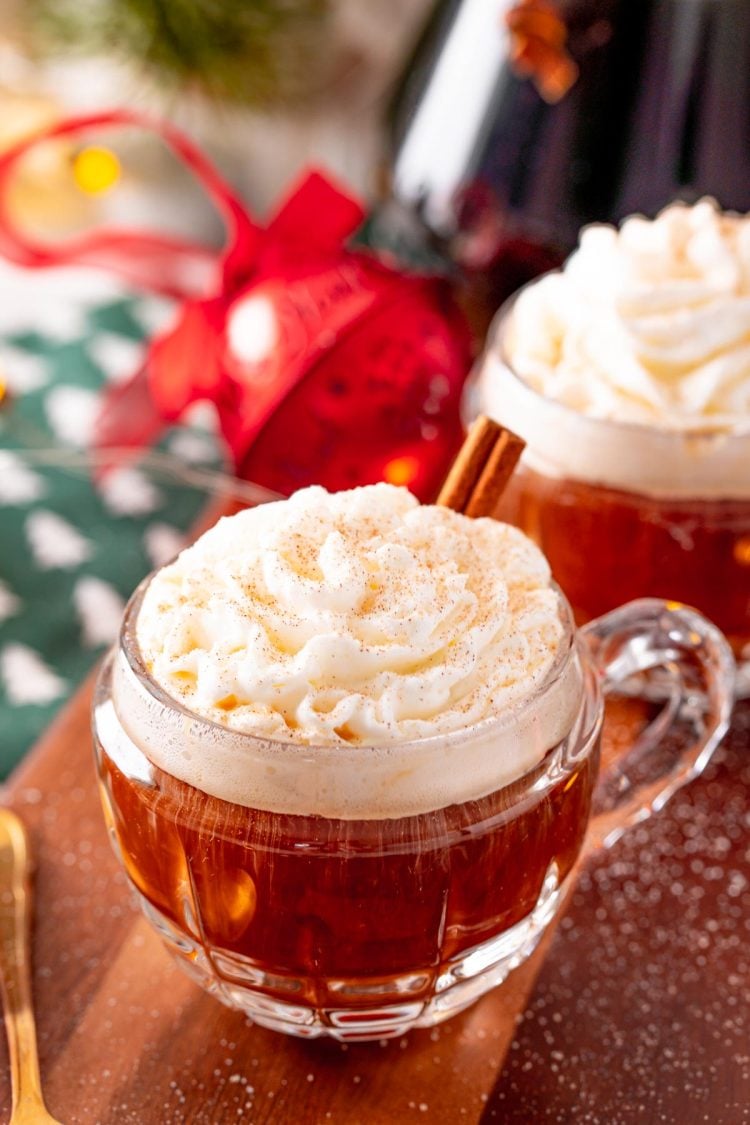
648,324
356,617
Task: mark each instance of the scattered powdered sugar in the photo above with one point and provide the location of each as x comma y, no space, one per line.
642,1010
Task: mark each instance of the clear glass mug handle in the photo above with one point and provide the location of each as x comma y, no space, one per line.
692,675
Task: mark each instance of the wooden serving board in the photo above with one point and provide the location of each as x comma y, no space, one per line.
640,1013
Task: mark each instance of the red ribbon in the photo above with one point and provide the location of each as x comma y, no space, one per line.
310,290
153,261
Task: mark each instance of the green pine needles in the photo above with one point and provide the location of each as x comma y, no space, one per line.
255,52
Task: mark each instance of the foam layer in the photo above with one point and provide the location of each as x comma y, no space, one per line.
340,781
701,464
354,654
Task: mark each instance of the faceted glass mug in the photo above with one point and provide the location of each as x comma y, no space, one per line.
316,918
624,510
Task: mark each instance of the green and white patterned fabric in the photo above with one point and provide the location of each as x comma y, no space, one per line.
71,553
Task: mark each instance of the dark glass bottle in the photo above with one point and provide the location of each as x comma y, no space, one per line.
516,123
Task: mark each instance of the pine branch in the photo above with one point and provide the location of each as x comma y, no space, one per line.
254,52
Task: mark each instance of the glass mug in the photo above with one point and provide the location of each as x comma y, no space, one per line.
329,924
623,510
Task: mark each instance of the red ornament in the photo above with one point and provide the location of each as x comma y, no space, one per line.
325,364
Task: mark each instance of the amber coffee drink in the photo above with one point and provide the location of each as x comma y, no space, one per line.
348,748
628,374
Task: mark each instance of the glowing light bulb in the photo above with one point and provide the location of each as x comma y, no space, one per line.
742,551
96,170
401,470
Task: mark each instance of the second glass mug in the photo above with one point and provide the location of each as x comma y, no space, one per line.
315,918
624,510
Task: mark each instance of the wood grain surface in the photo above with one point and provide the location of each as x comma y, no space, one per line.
640,1013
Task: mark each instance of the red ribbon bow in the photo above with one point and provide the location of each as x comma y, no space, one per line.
324,364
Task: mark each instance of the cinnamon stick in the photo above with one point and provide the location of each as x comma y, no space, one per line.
482,469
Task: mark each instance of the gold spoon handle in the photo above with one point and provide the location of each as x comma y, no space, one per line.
15,918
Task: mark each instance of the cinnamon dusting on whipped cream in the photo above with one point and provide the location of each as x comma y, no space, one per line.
356,617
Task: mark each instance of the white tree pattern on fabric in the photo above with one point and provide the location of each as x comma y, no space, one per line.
26,678
68,555
162,542
54,542
127,492
203,416
71,412
192,447
18,484
154,313
99,608
118,357
22,371
9,603
53,302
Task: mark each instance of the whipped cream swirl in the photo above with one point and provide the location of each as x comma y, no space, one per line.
357,617
648,324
